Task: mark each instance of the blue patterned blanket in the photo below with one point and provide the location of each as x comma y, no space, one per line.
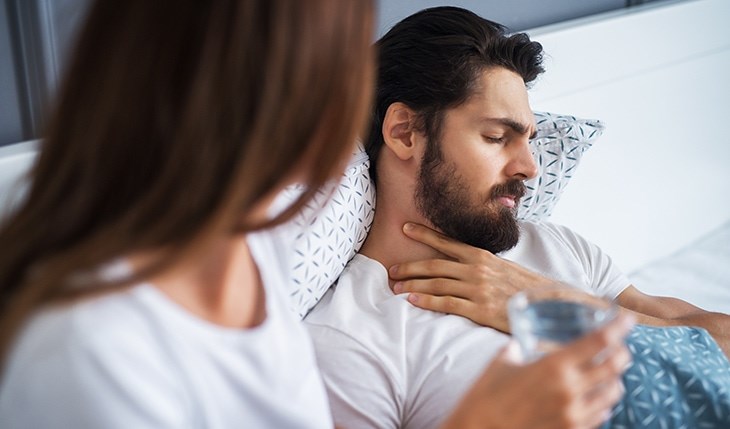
679,378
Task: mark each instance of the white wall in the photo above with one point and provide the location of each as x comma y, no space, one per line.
660,176
517,15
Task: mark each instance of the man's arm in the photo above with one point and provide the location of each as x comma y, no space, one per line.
665,311
477,284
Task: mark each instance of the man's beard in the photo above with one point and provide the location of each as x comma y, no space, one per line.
443,198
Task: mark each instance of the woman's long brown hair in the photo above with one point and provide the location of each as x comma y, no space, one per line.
175,119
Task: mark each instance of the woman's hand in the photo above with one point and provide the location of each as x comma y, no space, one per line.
574,387
474,284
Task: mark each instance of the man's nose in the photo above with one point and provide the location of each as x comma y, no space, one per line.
522,163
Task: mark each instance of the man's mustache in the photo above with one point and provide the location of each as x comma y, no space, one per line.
514,188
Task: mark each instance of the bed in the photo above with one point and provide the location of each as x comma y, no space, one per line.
699,272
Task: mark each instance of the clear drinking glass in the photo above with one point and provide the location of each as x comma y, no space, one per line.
543,319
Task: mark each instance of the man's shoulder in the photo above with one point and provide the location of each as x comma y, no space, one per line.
550,249
541,226
548,231
360,289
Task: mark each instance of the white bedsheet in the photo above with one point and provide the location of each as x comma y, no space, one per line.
699,273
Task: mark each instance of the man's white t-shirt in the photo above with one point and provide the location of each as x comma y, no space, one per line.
135,359
388,364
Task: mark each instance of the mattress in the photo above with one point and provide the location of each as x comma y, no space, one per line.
699,273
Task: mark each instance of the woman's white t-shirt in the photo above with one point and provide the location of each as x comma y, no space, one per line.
135,359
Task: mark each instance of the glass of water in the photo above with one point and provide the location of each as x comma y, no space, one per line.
543,319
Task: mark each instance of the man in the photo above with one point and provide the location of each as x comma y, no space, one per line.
449,149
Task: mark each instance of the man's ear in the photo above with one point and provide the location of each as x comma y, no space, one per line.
399,133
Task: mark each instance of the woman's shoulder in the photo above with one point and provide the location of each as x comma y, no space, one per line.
99,344
87,327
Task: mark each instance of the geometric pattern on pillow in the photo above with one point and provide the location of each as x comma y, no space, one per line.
329,231
557,148
679,378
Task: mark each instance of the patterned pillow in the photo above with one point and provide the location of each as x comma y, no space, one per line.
679,378
558,147
328,232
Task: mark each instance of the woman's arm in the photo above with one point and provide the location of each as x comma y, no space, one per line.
569,388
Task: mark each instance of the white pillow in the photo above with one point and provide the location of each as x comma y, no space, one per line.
327,234
558,147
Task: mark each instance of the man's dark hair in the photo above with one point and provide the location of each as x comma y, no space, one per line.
431,61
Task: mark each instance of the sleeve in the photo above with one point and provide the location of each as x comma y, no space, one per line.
91,384
604,277
362,390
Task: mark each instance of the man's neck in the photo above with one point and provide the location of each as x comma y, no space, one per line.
386,242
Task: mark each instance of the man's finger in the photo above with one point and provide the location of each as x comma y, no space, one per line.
586,349
446,245
429,268
442,304
436,287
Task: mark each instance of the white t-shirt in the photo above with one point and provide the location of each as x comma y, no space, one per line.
388,364
135,359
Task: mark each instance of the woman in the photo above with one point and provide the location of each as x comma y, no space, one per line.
138,289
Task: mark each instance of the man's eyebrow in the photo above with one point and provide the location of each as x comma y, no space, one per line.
516,126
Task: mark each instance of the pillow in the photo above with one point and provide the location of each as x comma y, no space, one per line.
679,378
328,232
557,148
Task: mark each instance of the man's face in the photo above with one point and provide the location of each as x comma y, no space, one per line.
471,177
